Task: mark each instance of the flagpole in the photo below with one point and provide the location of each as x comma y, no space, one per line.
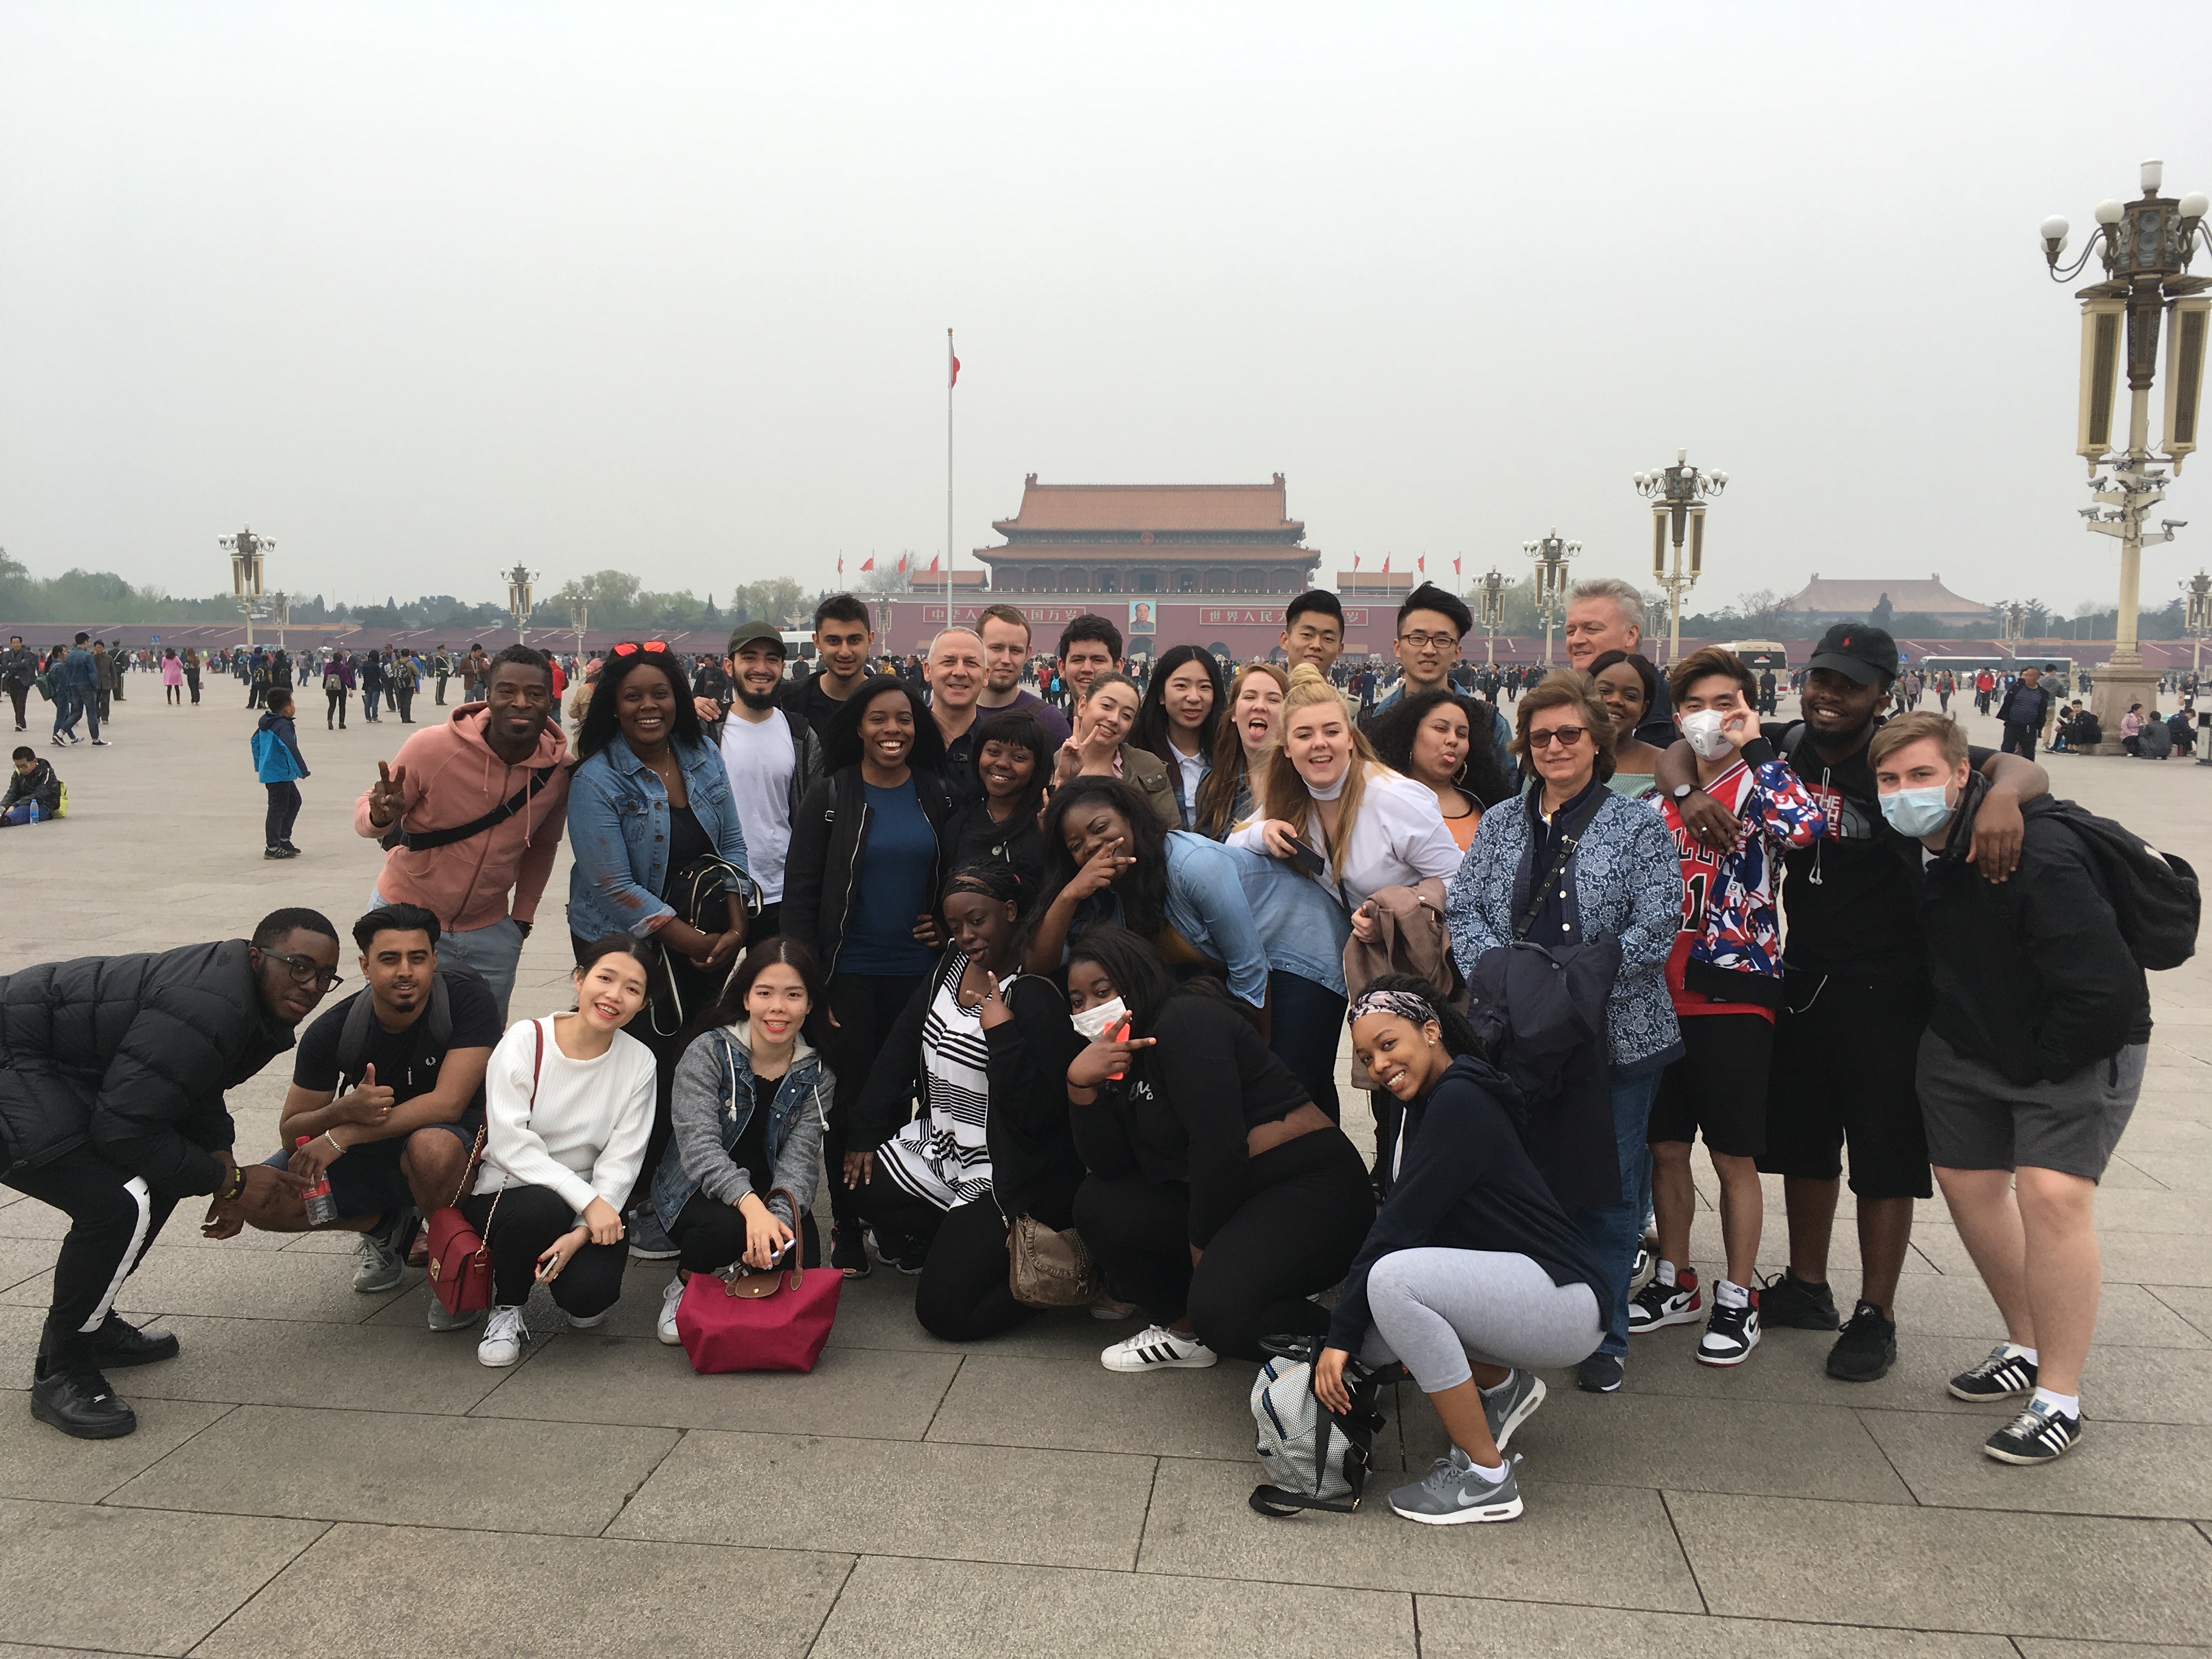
951,376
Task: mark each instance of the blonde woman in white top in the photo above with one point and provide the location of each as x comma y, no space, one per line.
1335,812
568,1111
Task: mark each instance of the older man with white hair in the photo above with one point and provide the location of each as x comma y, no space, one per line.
955,671
1606,614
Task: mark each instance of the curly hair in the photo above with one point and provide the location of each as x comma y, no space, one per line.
602,720
1484,774
1142,889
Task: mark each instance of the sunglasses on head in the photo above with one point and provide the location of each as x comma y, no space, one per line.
631,647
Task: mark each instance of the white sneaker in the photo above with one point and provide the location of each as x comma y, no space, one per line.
1157,1348
665,1330
503,1338
587,1321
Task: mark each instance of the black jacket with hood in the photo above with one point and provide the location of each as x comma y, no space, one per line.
828,839
131,1056
2030,975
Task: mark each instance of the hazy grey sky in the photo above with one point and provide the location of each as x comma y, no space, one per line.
419,289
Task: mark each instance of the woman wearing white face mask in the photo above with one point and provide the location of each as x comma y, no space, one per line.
1724,976
1353,825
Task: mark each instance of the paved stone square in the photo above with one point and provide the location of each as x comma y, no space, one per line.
318,1474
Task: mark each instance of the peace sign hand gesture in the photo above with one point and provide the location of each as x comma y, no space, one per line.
387,796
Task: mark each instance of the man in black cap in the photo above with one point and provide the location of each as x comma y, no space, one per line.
771,754
1855,991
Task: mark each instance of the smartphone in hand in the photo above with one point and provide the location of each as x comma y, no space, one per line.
1119,1033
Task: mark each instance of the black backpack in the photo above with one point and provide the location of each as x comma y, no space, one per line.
2154,895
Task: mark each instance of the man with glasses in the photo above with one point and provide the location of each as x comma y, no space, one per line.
470,813
113,1070
1430,624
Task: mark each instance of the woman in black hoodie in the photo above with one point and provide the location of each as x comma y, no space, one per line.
1473,1272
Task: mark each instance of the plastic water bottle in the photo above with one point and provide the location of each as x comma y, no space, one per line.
322,1204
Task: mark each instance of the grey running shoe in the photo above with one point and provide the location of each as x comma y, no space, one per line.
1513,1405
648,1239
442,1320
382,1265
1452,1493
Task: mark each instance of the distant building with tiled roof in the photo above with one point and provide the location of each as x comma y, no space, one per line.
1823,601
1151,538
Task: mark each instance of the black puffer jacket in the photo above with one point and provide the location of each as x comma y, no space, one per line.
829,840
131,1055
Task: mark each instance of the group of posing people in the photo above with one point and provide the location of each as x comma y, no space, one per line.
960,970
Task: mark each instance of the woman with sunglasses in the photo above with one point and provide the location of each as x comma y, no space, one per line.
648,797
1629,686
1242,743
1618,874
1180,717
859,890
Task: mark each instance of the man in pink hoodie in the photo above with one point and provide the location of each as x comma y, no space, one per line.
471,813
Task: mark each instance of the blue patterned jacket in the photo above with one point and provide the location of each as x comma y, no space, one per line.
1627,880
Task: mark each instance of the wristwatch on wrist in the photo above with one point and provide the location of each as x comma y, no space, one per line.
1682,791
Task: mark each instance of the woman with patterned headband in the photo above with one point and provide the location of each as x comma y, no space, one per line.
1473,1272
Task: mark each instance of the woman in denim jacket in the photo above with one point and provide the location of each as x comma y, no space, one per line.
1624,878
648,795
750,1100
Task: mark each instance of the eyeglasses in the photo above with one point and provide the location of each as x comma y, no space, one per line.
1429,642
1565,736
306,971
631,647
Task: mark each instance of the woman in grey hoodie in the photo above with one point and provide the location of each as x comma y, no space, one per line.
751,1097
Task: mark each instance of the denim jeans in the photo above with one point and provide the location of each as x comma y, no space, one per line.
1615,1229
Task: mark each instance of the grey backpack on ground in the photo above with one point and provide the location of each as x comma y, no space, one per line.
1314,1460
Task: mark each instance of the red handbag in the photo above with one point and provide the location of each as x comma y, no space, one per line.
461,1261
775,1321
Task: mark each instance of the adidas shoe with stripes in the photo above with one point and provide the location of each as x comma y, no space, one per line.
2000,1376
1157,1348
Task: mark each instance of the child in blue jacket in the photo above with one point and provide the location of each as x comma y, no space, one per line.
279,764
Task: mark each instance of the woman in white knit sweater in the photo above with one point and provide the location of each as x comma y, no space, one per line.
568,1110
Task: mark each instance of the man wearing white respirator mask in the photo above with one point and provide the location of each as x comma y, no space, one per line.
2039,1024
1724,975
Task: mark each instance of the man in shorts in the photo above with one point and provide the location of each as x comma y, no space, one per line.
390,1099
1854,993
1725,977
2038,1028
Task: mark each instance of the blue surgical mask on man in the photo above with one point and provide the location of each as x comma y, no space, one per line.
1917,812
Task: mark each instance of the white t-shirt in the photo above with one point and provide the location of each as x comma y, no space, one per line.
1399,839
758,756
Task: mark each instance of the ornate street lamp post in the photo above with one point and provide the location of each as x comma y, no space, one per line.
2196,618
1551,555
519,602
579,618
2146,247
1491,597
1678,503
245,549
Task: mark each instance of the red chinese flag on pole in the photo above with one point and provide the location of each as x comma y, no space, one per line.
902,564
1386,564
868,563
1455,566
1421,564
932,563
841,567
1355,561
954,380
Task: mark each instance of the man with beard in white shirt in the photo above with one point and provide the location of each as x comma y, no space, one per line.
771,754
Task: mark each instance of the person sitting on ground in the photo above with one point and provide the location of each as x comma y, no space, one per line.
751,1101
984,1048
2154,740
34,793
1219,1199
1472,1273
387,1091
568,1111
111,1110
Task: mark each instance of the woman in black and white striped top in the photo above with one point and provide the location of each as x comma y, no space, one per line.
984,1047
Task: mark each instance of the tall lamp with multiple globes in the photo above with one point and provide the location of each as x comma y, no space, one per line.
247,550
2146,247
1678,496
1490,612
1551,555
579,618
2196,623
518,601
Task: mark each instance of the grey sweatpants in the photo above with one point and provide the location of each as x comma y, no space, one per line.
1436,1308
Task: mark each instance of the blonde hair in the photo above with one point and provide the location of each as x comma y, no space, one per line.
1896,732
1216,792
1287,796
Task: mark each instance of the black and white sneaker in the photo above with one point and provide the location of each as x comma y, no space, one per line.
2000,1376
2038,1435
848,1253
1730,1335
1657,1304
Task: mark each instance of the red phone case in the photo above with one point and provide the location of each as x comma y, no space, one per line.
1117,1035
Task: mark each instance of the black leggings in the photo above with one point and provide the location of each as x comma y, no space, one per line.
113,1218
335,711
963,1294
526,1222
711,1236
1308,1212
866,1007
283,812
